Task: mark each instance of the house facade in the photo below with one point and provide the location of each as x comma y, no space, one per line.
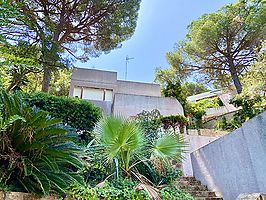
224,97
126,98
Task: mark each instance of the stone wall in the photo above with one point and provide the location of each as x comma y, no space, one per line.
207,132
23,196
236,162
216,111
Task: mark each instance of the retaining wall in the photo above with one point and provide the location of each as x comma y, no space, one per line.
234,163
23,196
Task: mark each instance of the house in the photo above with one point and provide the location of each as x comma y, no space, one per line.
126,98
224,97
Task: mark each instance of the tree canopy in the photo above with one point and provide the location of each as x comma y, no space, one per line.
220,46
173,85
254,81
76,28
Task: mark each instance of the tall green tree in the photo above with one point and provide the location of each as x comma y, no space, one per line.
192,88
255,80
77,28
170,83
173,85
221,45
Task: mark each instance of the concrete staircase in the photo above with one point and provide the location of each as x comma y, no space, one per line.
196,189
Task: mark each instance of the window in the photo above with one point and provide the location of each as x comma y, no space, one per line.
77,92
108,95
93,94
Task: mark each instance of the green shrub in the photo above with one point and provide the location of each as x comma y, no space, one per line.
116,190
79,114
159,173
37,154
196,110
122,189
95,171
173,193
150,123
82,192
250,107
174,122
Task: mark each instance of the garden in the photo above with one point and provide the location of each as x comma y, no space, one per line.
118,159
53,144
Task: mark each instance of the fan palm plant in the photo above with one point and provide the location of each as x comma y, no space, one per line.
36,153
122,140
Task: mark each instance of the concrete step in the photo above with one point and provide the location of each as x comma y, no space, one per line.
196,189
193,187
201,193
187,183
187,178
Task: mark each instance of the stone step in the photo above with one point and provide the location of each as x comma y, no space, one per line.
201,193
208,198
187,178
193,187
187,183
196,189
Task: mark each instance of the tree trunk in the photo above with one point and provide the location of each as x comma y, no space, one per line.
46,78
51,57
235,77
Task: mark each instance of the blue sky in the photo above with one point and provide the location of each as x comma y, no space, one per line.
161,23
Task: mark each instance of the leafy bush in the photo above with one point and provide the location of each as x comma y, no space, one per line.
79,114
96,170
116,190
196,110
122,189
82,192
195,114
159,173
150,123
153,123
36,154
174,122
173,193
249,108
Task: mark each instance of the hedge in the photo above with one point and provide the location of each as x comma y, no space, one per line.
77,113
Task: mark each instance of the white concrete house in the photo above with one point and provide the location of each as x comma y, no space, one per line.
219,111
126,98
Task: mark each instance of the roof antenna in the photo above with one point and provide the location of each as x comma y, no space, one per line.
127,61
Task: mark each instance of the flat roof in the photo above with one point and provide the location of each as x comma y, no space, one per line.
204,95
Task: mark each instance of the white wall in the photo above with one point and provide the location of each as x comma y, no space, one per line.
194,142
234,163
131,105
138,88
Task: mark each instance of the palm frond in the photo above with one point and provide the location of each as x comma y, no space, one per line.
169,146
37,147
120,138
